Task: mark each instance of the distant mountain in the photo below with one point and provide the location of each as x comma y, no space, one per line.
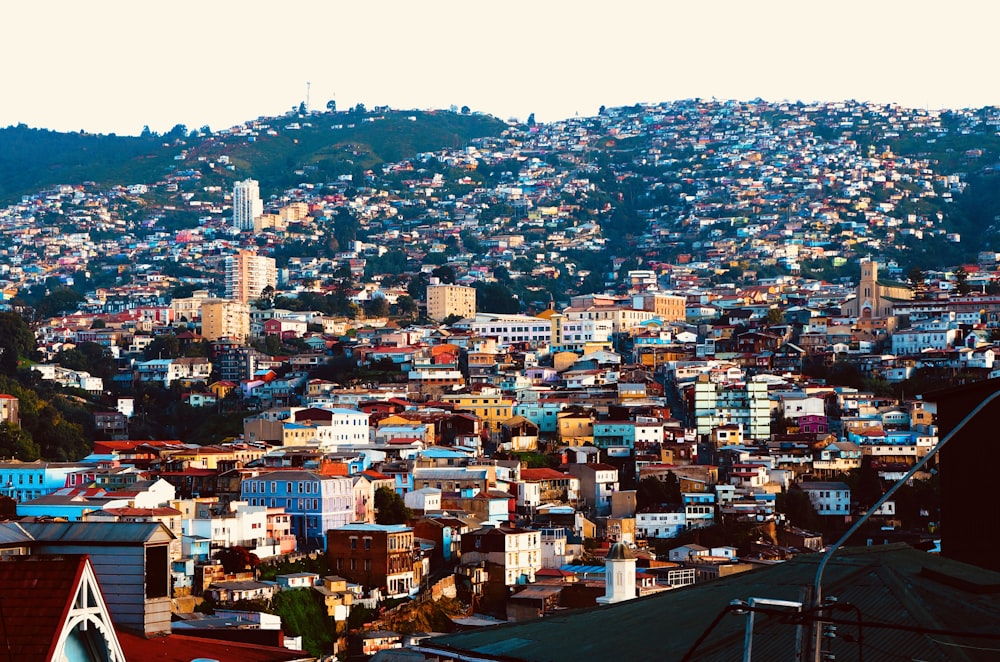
284,151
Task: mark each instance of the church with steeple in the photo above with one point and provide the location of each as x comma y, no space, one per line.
874,302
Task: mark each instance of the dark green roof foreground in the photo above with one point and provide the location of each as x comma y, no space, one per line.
890,584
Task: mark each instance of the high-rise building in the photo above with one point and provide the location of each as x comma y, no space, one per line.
247,204
446,300
247,274
221,318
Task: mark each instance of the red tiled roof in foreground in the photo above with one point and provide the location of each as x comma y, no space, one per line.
35,598
182,648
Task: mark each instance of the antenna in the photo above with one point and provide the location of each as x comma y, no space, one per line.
307,94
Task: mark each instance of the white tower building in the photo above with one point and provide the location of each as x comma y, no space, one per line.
619,575
247,204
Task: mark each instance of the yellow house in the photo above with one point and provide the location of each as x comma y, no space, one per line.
575,428
397,419
205,457
489,405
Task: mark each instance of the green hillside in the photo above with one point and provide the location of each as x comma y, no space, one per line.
35,159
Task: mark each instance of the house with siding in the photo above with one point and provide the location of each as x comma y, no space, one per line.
130,559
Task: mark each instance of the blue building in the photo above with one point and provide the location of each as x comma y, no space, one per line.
315,502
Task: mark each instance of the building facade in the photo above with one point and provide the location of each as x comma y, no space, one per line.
248,274
247,204
224,318
315,503
446,300
375,555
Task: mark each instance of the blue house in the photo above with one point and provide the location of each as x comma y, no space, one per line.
315,502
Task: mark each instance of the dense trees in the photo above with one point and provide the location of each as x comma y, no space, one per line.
496,298
16,443
389,507
237,559
16,341
654,492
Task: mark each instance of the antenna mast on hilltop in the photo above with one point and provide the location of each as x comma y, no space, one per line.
307,94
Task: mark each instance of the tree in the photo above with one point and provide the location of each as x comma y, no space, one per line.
331,105
58,301
376,307
16,443
799,510
774,316
916,277
961,282
496,298
389,507
303,615
407,306
445,273
466,110
237,559
266,300
531,119
163,347
16,341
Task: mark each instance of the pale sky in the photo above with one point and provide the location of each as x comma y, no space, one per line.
114,66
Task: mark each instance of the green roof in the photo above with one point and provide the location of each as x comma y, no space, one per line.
889,584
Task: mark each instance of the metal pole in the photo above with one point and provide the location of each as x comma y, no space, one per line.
818,581
748,633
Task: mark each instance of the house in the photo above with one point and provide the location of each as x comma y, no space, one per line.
446,534
53,608
374,555
830,499
597,483
517,552
314,502
131,561
9,409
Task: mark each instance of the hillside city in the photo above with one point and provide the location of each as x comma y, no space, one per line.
555,366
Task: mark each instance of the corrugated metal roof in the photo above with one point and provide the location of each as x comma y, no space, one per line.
11,533
889,584
99,533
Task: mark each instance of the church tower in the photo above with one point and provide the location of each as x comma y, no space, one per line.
868,294
619,575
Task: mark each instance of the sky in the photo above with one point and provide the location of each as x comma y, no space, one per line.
110,66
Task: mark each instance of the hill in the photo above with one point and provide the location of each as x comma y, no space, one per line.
279,151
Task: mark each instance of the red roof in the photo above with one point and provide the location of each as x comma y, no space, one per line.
543,474
143,512
181,648
37,594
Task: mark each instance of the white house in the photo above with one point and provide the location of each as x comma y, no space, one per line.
829,498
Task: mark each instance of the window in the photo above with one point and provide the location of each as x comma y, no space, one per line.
157,572
354,543
368,544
